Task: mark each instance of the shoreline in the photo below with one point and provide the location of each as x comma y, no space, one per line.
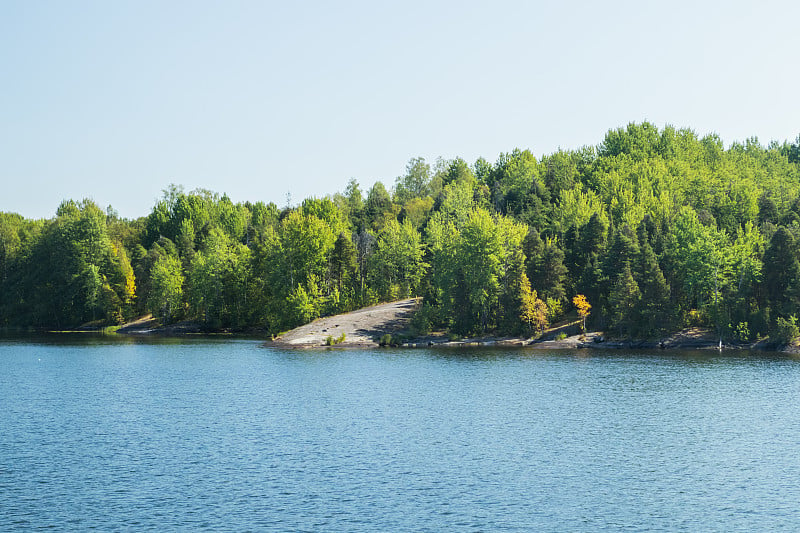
431,341
388,324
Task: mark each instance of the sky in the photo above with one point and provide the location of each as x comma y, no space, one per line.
280,101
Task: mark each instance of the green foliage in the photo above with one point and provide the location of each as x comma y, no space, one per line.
378,207
397,266
784,331
344,272
415,183
66,274
657,227
166,292
624,301
782,273
741,332
458,171
548,272
423,319
472,267
303,305
417,211
654,314
331,341
218,277
306,241
517,189
555,310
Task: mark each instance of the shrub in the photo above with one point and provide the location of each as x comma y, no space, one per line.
330,341
695,318
386,340
555,310
742,332
422,320
784,331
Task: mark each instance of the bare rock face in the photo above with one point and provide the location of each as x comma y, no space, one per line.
360,328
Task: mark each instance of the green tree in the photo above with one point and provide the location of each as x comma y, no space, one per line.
71,268
417,211
784,331
654,313
306,242
166,292
458,171
700,261
471,267
782,273
517,189
397,266
624,301
550,272
344,269
378,207
415,183
219,278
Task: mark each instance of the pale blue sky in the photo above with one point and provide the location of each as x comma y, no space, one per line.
114,100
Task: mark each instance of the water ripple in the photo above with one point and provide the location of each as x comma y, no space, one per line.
231,436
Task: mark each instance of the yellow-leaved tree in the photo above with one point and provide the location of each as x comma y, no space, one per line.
583,306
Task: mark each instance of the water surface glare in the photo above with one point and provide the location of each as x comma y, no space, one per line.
229,435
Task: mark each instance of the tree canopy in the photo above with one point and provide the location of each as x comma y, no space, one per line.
657,227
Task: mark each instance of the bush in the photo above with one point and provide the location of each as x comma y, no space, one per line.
330,341
555,310
695,318
422,320
561,336
784,331
741,332
386,340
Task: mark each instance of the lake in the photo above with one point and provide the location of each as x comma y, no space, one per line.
203,434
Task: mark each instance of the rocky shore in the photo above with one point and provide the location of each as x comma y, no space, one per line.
389,322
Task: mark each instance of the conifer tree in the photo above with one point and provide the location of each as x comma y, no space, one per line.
623,301
551,272
782,273
654,306
344,267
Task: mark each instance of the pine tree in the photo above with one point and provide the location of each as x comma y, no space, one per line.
623,301
551,272
782,273
654,306
532,247
621,255
344,269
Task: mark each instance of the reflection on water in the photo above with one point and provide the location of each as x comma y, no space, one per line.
226,434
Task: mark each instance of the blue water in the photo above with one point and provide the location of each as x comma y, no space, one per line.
228,435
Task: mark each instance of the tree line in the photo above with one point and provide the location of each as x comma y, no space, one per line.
655,229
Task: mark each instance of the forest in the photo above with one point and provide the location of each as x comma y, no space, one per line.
655,229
